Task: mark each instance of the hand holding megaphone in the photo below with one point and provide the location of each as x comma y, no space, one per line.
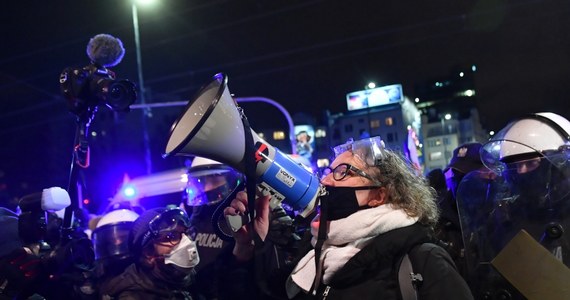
243,235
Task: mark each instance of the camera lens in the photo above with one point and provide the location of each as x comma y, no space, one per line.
121,94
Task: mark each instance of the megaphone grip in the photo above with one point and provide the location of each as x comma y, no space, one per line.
237,221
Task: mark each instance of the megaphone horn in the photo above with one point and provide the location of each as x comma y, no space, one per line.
211,126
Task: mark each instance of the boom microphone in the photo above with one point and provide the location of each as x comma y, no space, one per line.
105,50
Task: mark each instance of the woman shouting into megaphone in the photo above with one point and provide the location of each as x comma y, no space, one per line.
374,224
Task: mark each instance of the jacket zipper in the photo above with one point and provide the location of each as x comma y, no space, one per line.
326,292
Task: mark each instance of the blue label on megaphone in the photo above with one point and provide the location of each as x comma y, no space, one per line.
297,186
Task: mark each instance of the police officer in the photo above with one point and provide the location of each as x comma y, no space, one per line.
209,183
530,192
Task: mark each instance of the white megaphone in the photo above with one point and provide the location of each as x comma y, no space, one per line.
212,127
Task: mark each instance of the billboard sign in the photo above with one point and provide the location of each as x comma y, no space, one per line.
305,135
384,95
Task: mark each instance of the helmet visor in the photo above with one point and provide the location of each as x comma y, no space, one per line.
208,185
111,240
524,139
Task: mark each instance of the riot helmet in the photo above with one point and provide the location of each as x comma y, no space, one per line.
110,242
532,154
110,237
209,182
536,135
527,191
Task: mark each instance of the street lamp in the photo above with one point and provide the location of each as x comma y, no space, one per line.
444,136
142,91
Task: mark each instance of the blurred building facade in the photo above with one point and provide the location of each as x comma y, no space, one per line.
439,114
450,116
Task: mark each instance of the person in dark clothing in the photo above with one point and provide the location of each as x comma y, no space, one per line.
376,210
209,183
465,159
527,198
110,240
164,258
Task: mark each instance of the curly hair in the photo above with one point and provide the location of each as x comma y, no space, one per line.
404,188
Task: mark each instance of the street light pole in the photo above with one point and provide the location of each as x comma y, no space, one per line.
445,132
443,142
142,91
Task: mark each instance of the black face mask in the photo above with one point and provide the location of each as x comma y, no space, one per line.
342,201
533,185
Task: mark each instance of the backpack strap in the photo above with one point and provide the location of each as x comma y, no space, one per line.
405,272
407,279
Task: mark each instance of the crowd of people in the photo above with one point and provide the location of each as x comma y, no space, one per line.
380,231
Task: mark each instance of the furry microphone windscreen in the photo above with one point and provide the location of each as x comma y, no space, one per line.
105,50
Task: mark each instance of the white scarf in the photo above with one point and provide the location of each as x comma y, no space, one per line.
346,237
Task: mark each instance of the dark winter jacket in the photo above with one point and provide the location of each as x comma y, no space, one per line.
135,283
373,272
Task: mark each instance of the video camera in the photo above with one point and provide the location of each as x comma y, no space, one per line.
88,87
93,85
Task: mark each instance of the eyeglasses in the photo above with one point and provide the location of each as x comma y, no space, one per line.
171,238
341,171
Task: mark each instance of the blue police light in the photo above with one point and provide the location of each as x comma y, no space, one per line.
129,192
191,192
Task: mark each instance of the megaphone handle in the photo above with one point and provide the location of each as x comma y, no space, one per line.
237,221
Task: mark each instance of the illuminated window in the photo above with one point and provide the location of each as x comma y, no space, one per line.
320,133
374,123
435,155
278,135
323,162
389,121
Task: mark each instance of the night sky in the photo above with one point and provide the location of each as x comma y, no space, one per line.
307,55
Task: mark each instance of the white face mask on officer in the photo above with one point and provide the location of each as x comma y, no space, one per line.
184,254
